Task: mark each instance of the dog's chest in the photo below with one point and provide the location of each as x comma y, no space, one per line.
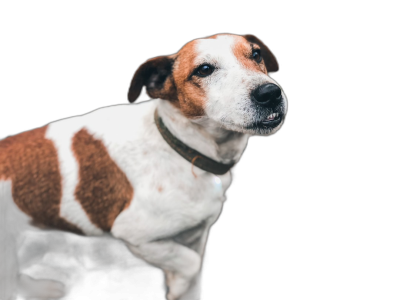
167,188
178,188
170,196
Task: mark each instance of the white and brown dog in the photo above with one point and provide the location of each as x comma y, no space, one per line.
153,174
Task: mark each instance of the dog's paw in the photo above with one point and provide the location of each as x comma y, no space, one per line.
45,289
179,288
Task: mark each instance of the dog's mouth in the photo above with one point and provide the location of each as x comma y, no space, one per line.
272,120
267,124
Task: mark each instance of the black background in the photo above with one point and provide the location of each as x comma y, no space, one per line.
273,237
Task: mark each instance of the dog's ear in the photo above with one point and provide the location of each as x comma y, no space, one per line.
269,59
156,75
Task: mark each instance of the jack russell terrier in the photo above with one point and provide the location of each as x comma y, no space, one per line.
152,174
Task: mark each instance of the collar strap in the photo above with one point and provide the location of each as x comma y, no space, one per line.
196,158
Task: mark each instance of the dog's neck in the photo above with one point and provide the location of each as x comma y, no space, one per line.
203,134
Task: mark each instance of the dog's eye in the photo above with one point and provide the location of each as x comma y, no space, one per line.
204,70
257,55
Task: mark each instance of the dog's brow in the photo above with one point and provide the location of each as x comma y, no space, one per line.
206,60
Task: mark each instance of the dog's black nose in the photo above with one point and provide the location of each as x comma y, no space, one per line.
269,95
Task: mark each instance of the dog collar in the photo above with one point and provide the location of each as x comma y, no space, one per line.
196,158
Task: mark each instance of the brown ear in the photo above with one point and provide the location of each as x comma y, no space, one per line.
156,75
269,59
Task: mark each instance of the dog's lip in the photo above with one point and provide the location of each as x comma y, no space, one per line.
270,122
267,123
272,118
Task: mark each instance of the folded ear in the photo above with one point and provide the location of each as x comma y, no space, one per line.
269,59
156,75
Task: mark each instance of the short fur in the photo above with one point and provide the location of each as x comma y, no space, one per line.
90,176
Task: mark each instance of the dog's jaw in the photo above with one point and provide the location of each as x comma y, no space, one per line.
204,134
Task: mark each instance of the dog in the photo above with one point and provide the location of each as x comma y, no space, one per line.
153,174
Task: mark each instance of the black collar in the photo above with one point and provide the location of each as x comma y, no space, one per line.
196,158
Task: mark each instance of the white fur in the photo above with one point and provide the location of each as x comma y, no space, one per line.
171,196
8,249
31,288
229,87
61,134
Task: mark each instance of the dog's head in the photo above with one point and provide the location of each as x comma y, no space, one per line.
223,78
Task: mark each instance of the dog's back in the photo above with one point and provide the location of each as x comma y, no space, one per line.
64,175
43,180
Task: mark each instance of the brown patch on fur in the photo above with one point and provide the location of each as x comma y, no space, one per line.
155,74
30,161
103,189
243,52
269,59
160,188
126,206
190,93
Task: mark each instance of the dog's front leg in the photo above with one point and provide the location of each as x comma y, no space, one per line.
196,239
180,263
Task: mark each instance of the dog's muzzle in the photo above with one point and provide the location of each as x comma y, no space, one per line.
270,103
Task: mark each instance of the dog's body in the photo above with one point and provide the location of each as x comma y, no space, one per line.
112,171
